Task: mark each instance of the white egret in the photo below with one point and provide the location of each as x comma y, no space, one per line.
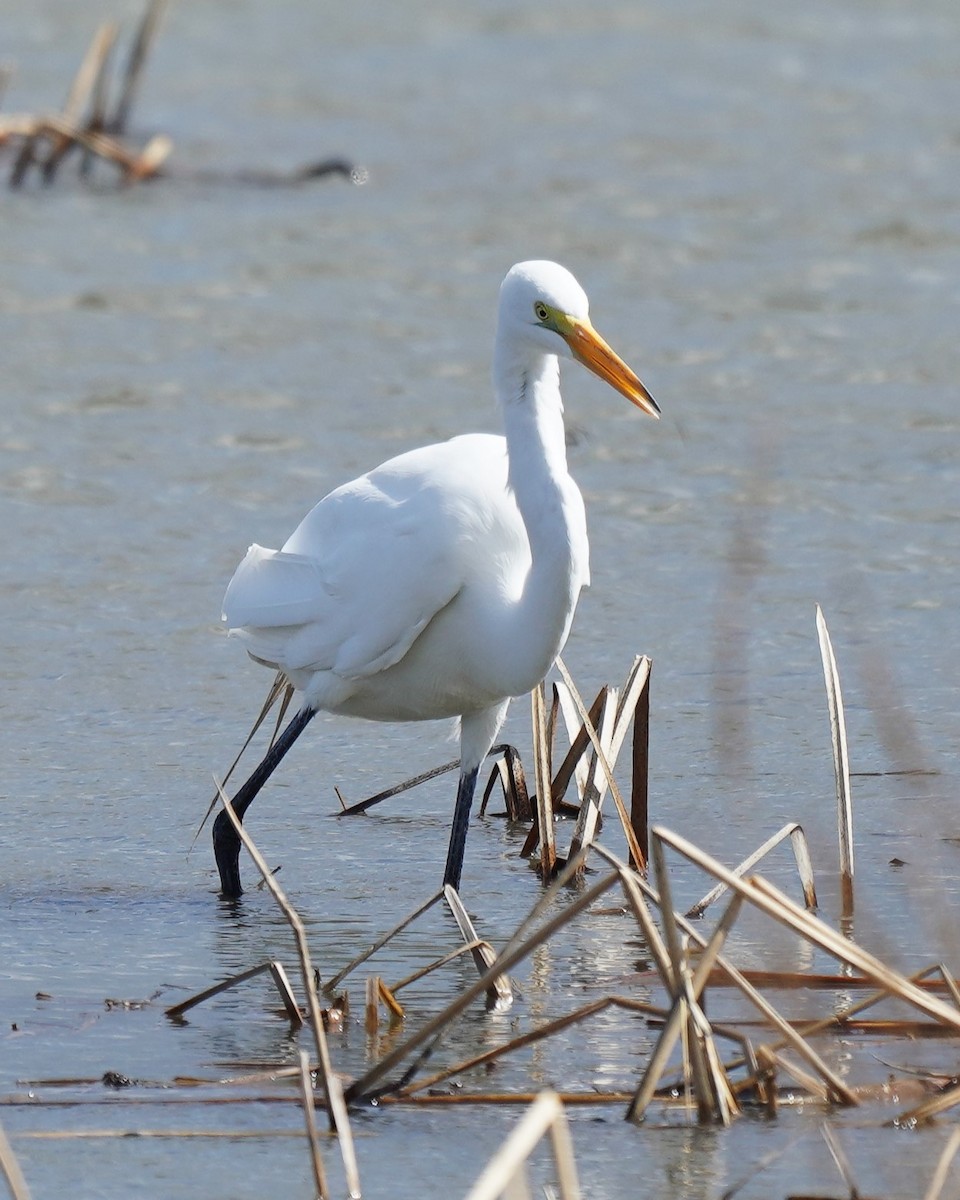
444,582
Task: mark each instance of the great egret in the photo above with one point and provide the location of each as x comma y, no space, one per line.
444,582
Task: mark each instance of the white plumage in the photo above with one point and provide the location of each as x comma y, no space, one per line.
444,582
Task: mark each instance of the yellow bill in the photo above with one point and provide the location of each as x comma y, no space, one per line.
589,348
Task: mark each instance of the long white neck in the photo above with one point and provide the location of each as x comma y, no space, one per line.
528,386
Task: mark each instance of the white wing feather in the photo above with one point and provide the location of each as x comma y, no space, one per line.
371,565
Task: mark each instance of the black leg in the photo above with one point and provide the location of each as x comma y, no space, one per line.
458,833
226,842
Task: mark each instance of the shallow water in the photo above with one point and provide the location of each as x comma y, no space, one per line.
762,203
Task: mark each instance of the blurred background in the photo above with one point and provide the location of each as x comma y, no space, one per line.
761,201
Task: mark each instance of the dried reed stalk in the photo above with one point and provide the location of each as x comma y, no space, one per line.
279,686
632,843
542,775
774,903
513,953
89,76
139,51
801,853
505,1174
935,1190
588,821
634,885
547,1030
841,763
715,1098
336,1107
309,1117
351,966
11,1170
500,995
278,974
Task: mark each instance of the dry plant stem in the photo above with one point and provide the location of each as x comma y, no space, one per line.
507,1165
91,71
331,986
640,780
841,763
279,977
542,775
573,765
11,1170
685,1002
535,1035
500,995
371,1017
635,852
690,995
276,687
842,1017
935,1189
335,1106
99,98
588,821
508,958
634,884
801,854
437,963
929,1109
135,166
309,1117
434,772
138,57
774,903
508,772
840,1158
518,797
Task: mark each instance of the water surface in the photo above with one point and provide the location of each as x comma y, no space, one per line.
762,203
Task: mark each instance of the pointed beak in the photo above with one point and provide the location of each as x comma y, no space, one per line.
589,348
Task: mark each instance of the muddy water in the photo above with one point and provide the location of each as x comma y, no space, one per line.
762,205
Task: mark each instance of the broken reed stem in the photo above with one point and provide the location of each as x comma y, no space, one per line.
381,942
935,1189
640,764
509,957
135,64
500,995
535,1035
336,1109
542,776
632,843
764,896
437,963
841,762
636,888
715,1098
88,78
588,819
309,1117
276,687
280,980
11,1169
506,1169
801,855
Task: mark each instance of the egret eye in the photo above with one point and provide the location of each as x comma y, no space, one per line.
541,310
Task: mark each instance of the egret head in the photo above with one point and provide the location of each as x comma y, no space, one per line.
541,301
